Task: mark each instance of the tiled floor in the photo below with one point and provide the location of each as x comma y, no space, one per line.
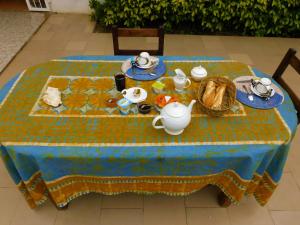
63,35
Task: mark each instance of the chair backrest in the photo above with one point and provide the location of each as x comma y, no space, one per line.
290,58
138,32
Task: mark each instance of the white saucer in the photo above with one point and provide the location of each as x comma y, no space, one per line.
129,95
258,94
153,62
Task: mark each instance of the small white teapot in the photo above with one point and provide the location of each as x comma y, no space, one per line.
174,117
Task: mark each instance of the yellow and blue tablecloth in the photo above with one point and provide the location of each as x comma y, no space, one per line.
84,147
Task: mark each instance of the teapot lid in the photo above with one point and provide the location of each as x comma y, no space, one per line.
175,109
199,71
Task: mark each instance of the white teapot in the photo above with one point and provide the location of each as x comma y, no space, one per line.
174,117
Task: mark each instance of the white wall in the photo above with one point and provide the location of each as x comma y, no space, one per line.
72,6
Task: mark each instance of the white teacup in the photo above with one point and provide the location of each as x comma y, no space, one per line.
266,82
143,59
263,86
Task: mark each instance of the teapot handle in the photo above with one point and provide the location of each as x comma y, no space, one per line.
123,92
155,121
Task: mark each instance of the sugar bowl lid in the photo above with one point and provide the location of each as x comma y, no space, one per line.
199,71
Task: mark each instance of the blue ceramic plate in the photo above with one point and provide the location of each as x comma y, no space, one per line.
258,102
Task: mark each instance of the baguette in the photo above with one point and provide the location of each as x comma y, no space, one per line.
209,94
219,97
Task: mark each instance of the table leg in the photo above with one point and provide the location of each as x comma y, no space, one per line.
223,200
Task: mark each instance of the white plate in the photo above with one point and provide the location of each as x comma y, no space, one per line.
153,62
258,94
128,94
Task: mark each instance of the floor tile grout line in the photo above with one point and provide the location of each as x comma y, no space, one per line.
270,214
100,209
283,210
121,208
294,178
56,215
228,215
204,207
15,212
143,205
186,215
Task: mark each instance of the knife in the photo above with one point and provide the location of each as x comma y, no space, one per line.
243,81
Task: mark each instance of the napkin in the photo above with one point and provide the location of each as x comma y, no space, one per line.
52,97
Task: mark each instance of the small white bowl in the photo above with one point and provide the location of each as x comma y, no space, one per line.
198,73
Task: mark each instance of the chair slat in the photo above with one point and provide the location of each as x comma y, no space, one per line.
136,52
134,32
147,32
284,63
290,58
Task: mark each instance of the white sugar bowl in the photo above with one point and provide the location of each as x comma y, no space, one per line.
198,73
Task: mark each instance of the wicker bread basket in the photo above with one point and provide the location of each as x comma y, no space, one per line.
228,99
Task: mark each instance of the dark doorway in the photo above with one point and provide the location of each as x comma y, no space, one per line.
13,5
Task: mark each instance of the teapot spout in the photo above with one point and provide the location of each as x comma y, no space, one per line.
190,107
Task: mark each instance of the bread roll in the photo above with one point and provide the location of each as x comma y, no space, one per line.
219,96
209,94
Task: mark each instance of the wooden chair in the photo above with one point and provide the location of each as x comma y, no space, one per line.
136,32
290,58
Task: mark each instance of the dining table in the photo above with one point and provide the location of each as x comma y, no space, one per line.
83,146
